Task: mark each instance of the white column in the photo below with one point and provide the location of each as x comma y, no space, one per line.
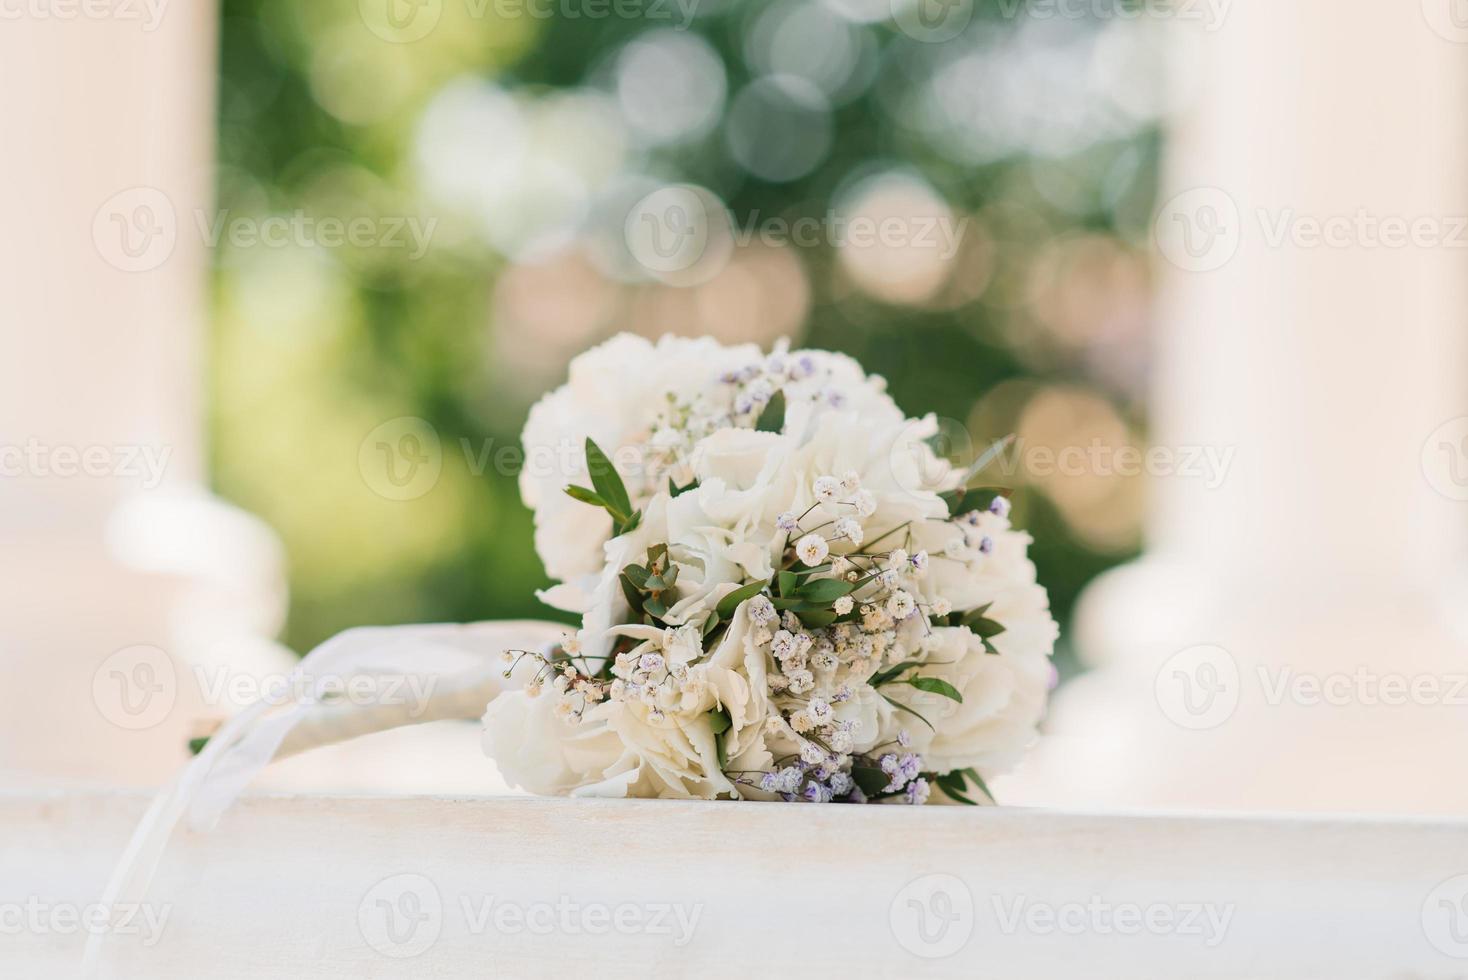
1314,238
106,122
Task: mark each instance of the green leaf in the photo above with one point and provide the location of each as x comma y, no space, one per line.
628,525
676,491
670,576
825,589
586,496
710,624
608,482
772,419
196,745
989,455
719,721
816,618
638,574
634,597
655,607
903,707
978,781
787,582
730,602
981,623
935,686
883,676
872,781
952,785
962,501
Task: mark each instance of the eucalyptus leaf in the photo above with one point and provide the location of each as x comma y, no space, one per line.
608,482
730,603
586,496
816,618
935,686
825,589
914,713
772,419
891,673
634,597
978,781
871,780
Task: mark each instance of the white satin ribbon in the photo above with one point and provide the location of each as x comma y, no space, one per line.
457,667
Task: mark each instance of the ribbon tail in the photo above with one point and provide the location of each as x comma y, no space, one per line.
457,670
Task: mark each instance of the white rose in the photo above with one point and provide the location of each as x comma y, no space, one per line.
614,395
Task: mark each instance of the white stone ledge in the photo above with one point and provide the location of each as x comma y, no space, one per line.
290,887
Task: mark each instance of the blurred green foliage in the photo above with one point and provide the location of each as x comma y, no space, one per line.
314,348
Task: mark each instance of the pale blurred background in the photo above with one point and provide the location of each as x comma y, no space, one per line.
292,274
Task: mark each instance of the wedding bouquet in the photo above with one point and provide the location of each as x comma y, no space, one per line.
785,594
